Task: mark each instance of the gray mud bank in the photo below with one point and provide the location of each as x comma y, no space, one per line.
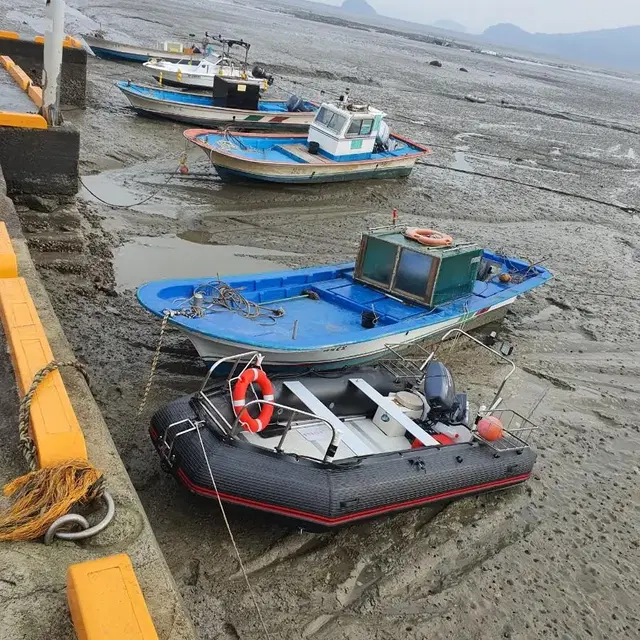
558,558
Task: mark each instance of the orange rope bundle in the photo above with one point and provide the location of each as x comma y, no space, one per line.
42,496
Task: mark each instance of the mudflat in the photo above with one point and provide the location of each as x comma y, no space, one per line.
547,168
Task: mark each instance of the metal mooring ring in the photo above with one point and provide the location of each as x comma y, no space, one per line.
74,518
63,521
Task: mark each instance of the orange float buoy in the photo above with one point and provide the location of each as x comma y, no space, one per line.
505,277
429,237
490,428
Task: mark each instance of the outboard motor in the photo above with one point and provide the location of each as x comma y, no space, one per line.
260,72
440,393
295,103
382,139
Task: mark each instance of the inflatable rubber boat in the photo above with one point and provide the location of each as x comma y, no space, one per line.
328,450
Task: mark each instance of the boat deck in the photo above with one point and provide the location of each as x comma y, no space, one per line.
311,439
300,152
292,149
331,320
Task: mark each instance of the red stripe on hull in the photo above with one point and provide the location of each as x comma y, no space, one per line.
352,517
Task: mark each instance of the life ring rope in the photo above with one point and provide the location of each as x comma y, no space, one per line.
429,237
239,399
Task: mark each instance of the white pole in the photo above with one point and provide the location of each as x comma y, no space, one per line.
53,41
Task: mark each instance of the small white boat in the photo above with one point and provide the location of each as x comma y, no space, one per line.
190,74
193,74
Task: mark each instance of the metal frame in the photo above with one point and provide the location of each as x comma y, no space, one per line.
404,368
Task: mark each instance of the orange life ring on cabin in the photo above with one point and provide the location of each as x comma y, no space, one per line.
429,237
248,376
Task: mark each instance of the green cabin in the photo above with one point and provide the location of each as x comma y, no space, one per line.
432,276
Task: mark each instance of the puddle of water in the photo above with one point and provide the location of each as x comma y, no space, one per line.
108,186
146,259
461,163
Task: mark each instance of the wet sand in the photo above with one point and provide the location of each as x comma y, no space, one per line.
548,168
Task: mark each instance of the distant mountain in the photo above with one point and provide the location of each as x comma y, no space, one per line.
450,25
359,7
608,47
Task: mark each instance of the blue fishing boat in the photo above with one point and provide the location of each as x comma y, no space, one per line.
346,141
234,101
399,292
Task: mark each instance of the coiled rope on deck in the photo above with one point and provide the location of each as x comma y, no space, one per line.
43,495
217,295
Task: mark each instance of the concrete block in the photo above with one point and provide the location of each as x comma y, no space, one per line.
40,161
54,426
106,601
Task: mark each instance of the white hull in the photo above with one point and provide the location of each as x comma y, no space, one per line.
336,357
216,116
197,76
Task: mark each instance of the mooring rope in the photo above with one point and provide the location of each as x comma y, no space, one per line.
42,496
154,365
27,446
233,541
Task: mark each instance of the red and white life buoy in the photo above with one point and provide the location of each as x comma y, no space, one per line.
247,377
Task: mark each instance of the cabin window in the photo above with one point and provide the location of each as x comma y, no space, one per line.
332,121
379,260
413,273
360,127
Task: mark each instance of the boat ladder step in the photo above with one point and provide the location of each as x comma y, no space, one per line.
394,411
314,405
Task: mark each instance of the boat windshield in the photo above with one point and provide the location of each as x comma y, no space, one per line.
331,120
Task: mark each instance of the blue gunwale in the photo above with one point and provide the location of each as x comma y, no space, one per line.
198,99
333,320
269,149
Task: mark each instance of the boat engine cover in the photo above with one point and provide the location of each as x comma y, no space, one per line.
296,104
439,388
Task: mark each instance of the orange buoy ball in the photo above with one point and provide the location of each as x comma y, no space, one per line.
490,428
504,277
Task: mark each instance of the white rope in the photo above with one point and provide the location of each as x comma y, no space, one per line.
233,542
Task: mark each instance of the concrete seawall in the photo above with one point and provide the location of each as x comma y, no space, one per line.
28,169
32,576
29,55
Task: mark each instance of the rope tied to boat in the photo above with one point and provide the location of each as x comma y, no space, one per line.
215,296
44,496
154,365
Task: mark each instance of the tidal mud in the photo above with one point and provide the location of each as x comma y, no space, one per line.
557,558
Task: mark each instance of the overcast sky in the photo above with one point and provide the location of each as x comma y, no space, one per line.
551,16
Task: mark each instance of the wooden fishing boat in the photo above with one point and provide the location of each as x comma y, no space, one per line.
327,451
247,112
399,292
119,51
345,142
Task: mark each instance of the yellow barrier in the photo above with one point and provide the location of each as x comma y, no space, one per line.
8,262
35,93
9,35
54,426
106,601
6,62
21,78
23,120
